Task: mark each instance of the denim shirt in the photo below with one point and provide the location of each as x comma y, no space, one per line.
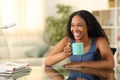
91,55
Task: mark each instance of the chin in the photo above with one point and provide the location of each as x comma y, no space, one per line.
77,38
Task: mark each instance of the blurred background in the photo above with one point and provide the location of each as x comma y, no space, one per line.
29,29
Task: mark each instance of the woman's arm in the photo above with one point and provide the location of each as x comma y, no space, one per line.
106,54
61,51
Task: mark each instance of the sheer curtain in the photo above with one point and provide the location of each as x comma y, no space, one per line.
28,15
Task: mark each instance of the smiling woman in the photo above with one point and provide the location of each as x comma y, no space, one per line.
83,27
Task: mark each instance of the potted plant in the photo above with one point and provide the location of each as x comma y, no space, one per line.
55,27
111,3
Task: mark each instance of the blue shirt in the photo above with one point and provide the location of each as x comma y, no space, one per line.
73,75
91,55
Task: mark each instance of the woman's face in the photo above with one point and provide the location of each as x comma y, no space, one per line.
78,28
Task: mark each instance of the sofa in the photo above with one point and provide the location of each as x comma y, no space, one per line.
30,49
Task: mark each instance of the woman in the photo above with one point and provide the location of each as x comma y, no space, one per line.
83,27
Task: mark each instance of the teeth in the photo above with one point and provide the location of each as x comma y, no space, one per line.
76,34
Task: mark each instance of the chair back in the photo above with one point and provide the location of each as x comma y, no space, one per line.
113,50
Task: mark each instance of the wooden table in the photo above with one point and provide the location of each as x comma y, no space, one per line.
60,73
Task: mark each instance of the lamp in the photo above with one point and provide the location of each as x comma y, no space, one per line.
5,39
8,26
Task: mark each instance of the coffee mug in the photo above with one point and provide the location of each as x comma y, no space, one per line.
77,48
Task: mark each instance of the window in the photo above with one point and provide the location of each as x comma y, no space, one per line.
28,15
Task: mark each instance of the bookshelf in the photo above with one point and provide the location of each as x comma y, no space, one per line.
110,21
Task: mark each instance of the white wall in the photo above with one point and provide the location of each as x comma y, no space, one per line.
35,14
86,4
77,5
51,6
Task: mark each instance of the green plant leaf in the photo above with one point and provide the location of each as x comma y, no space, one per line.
55,28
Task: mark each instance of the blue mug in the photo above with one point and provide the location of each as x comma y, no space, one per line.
77,48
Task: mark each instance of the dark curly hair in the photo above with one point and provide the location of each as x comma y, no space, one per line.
94,28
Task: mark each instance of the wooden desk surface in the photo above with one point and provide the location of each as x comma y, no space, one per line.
60,73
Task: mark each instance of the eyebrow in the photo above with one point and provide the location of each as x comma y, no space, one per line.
79,23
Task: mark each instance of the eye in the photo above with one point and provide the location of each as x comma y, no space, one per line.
72,25
80,25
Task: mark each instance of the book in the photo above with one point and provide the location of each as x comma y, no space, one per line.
14,76
13,67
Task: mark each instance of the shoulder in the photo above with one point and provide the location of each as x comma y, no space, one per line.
101,42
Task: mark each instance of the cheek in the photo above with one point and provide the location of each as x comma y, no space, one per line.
83,28
85,31
71,29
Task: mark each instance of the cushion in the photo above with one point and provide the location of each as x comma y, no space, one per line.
38,51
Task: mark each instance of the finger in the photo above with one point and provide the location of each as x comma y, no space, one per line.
68,44
67,65
64,65
67,49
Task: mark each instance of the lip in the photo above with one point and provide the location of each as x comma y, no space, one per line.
76,34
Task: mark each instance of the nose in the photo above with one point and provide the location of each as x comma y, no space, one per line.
75,28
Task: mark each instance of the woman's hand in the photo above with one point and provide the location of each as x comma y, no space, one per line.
67,50
72,65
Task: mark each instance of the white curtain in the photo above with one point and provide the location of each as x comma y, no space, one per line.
28,15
